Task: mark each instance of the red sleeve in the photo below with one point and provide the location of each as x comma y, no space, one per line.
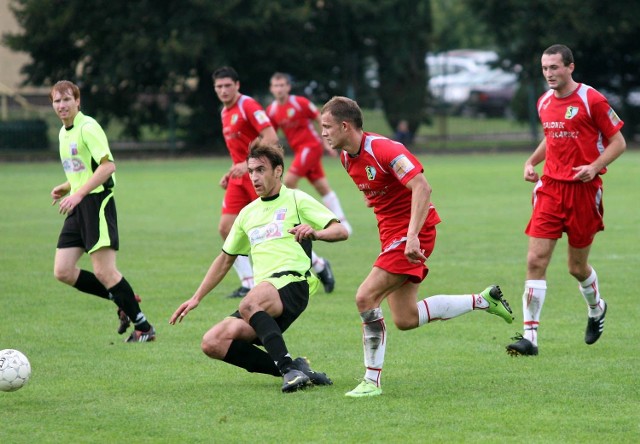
256,115
310,110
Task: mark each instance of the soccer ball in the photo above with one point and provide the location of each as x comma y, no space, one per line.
15,370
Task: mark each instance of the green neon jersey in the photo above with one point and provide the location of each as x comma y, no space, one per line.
82,148
261,229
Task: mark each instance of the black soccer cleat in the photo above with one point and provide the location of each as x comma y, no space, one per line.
294,380
595,327
523,347
239,292
316,378
327,278
125,322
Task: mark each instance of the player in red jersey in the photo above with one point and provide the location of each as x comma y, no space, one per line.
581,137
243,121
296,115
394,185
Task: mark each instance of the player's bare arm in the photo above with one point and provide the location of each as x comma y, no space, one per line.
217,271
60,191
538,156
268,135
420,201
334,232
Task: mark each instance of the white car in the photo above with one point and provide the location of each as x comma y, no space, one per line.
452,75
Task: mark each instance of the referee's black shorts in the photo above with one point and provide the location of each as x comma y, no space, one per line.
92,224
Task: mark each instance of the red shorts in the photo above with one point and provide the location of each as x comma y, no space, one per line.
307,162
574,208
239,193
393,260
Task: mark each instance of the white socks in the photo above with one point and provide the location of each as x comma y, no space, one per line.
589,290
242,265
443,307
532,301
374,340
332,202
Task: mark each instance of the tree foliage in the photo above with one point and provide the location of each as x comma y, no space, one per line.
602,35
136,60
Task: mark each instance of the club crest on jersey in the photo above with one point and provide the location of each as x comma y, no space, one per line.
371,172
291,112
73,149
234,119
572,111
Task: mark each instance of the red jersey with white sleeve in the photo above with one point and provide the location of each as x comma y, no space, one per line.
296,117
241,124
576,128
381,170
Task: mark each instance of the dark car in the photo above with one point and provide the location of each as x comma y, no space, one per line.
492,98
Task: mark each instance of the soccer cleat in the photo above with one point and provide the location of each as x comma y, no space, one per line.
523,347
316,378
294,380
365,388
125,322
142,336
595,327
326,277
497,304
240,292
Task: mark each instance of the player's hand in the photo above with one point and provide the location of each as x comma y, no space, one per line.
584,173
182,311
238,169
413,252
530,174
59,192
69,203
303,231
224,181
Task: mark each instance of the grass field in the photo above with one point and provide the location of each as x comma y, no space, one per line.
447,382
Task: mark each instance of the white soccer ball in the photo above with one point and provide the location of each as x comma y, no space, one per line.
15,370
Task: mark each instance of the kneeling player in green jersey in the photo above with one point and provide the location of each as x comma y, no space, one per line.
277,230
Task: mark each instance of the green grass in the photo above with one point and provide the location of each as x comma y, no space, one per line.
445,382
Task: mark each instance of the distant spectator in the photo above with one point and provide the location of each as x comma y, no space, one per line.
403,134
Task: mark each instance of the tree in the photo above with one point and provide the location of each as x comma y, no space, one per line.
602,36
135,60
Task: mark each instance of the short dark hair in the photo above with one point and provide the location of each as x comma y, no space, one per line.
63,86
281,76
344,109
272,151
564,51
225,72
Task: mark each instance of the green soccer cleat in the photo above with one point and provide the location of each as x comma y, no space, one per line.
497,304
365,388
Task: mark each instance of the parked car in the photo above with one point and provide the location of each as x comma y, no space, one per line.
454,74
492,97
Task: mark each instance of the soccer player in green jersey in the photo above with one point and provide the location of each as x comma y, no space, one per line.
91,224
277,230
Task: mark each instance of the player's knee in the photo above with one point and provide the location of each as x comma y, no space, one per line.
211,347
64,275
405,324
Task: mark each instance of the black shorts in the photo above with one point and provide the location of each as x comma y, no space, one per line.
93,224
295,298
